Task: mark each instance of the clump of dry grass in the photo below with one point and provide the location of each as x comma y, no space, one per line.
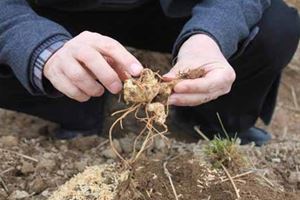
97,182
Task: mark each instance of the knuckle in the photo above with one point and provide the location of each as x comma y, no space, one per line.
74,93
96,91
110,44
181,101
78,95
110,79
231,76
77,76
83,99
83,54
214,97
227,90
85,34
70,45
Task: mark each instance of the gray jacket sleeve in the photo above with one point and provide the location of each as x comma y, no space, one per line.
227,21
23,36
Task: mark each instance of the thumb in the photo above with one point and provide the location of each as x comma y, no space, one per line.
171,75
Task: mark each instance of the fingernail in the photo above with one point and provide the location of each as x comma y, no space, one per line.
135,69
115,87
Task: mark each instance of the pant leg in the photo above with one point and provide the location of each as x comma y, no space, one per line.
258,68
258,71
70,114
145,27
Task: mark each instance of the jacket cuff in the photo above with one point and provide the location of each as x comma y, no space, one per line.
39,58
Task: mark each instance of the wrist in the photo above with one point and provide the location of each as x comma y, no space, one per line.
40,57
200,45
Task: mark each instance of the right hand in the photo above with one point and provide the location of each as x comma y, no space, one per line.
75,68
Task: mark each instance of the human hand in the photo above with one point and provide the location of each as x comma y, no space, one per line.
88,62
201,51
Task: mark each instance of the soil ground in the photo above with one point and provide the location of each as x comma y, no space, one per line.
32,165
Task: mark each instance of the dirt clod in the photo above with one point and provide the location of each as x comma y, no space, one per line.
9,141
27,167
294,177
18,195
38,185
47,164
97,183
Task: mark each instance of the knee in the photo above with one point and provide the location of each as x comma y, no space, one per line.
291,25
279,33
289,34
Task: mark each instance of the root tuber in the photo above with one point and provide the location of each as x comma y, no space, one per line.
149,95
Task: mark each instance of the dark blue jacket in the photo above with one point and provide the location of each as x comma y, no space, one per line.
24,34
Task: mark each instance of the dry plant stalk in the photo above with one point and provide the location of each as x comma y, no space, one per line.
236,190
148,96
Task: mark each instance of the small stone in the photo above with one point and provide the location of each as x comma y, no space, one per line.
126,144
84,143
38,185
80,165
276,160
159,144
109,153
48,155
97,161
47,164
27,168
9,141
3,194
18,195
46,193
110,161
60,173
294,177
63,148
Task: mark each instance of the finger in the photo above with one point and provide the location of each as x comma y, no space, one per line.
171,75
178,67
81,78
64,85
111,48
208,84
191,99
94,61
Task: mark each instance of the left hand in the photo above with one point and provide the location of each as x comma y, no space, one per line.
201,51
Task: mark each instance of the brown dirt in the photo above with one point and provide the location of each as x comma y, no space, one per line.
194,180
191,177
32,165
